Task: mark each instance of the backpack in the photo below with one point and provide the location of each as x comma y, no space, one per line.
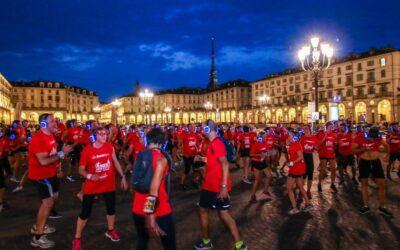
143,171
229,148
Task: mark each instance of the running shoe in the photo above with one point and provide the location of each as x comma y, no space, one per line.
365,210
54,215
17,189
76,244
308,207
247,181
383,211
47,229
200,245
267,194
243,247
112,235
294,211
42,242
253,199
334,189
71,179
14,179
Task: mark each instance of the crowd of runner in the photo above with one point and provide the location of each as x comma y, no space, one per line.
203,154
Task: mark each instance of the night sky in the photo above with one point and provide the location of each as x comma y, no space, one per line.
106,46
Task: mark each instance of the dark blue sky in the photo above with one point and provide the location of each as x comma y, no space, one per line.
106,45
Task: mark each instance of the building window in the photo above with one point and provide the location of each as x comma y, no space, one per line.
339,80
305,77
370,63
278,90
305,86
359,77
359,68
339,71
349,67
291,88
382,62
383,73
371,90
330,71
371,76
49,98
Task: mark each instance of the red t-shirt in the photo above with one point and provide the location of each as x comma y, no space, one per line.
299,168
345,143
373,144
213,177
164,207
309,143
258,148
246,140
85,138
327,148
98,161
73,135
4,147
21,133
41,143
189,141
236,138
137,147
270,141
394,142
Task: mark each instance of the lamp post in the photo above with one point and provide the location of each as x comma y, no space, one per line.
314,59
168,111
115,104
264,99
146,96
97,111
208,106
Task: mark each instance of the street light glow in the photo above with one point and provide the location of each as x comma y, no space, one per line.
116,103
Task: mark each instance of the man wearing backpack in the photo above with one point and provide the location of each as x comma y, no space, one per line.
151,209
215,190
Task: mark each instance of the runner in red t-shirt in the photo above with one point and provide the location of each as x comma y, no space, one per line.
345,155
43,161
152,212
3,164
72,136
189,141
260,163
370,166
18,147
297,169
246,141
327,141
215,190
394,144
98,164
309,144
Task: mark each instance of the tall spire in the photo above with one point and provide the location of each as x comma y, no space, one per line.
212,84
137,88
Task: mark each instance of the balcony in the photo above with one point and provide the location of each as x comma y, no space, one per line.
329,86
370,79
360,96
383,94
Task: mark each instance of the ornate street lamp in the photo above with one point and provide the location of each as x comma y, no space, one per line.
146,96
208,106
314,58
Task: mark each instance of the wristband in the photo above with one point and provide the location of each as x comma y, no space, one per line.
291,164
60,154
89,176
150,204
223,186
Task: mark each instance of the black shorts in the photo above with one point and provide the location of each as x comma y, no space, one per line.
245,152
209,200
345,160
259,165
372,168
309,161
75,156
394,156
197,165
47,187
296,176
188,161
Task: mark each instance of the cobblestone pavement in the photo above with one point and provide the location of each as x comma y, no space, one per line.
334,222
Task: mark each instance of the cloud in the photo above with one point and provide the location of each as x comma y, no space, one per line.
175,60
76,58
227,56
